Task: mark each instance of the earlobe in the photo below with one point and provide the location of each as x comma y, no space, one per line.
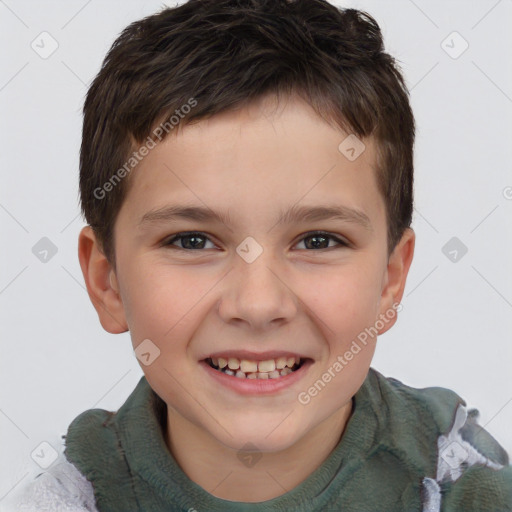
101,283
396,277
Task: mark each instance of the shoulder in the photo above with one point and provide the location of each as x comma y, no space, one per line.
436,405
437,410
471,471
61,488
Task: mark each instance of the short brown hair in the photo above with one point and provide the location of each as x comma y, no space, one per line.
224,53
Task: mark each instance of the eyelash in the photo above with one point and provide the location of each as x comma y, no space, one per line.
179,236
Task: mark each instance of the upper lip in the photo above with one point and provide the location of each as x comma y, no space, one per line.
255,356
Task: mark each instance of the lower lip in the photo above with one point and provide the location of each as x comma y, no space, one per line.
246,386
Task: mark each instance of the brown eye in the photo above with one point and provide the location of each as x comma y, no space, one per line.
195,240
189,241
320,240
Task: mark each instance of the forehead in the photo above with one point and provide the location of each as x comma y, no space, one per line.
265,155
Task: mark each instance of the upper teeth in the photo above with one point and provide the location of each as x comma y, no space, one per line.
247,366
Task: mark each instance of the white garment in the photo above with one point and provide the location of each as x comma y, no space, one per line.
61,488
454,454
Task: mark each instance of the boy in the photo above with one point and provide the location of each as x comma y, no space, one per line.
246,172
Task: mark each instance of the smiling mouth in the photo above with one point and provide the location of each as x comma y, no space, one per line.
261,370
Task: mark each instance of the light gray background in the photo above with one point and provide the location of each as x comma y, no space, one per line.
455,328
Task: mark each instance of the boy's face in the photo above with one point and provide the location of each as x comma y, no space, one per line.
216,294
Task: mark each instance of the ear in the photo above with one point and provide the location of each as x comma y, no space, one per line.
395,278
101,283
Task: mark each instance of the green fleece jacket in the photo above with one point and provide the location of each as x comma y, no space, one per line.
403,449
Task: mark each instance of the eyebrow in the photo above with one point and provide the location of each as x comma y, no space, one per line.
294,214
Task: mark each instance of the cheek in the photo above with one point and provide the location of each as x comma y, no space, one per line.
347,300
162,303
149,303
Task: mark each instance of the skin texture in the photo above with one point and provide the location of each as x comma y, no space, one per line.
255,163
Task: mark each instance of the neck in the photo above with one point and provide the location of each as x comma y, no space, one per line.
217,469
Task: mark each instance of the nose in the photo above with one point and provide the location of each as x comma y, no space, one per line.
257,294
